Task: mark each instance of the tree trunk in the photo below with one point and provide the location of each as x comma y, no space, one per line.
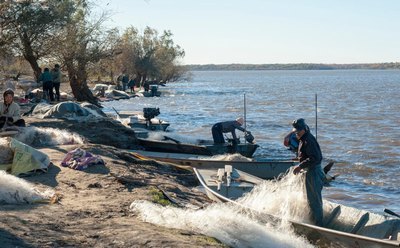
82,92
30,57
79,87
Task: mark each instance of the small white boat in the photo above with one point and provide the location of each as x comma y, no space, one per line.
136,119
365,230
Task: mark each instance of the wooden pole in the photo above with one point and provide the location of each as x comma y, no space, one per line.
244,110
316,117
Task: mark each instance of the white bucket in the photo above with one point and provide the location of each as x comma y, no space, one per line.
133,119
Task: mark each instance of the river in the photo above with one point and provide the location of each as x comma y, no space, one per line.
358,121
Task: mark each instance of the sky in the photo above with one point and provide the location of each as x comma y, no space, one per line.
269,31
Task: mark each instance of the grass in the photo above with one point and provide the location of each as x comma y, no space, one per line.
159,197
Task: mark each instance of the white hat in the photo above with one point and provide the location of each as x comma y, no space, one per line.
240,120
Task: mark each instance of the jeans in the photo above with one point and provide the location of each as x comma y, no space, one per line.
56,86
314,184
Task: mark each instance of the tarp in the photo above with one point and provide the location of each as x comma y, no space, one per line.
26,159
67,109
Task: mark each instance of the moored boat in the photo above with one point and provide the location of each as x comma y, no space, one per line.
343,226
137,119
265,169
174,146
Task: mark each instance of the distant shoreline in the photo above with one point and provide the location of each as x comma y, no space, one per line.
304,66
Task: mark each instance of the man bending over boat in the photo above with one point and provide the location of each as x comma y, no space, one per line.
310,157
218,129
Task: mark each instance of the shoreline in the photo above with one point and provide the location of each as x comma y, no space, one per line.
93,206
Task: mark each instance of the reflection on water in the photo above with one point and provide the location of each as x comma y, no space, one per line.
358,120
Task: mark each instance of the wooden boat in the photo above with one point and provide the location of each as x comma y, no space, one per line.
153,125
369,230
266,169
174,146
135,119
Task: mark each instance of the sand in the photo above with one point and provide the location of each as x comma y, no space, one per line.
92,209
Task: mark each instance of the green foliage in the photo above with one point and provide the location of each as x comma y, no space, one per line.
27,28
159,198
150,55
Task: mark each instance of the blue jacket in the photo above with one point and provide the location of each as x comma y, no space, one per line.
46,76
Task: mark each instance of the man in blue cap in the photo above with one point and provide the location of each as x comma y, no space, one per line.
310,157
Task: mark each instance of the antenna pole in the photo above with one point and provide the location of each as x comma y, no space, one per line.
316,117
244,110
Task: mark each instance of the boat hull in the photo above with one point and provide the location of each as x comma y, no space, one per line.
382,233
268,169
246,150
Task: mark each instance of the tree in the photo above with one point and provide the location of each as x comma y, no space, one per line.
83,42
27,27
150,55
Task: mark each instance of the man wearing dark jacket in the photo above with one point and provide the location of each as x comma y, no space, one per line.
310,156
220,128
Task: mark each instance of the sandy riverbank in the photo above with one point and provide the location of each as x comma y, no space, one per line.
93,210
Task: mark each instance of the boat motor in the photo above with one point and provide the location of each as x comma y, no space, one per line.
150,113
249,137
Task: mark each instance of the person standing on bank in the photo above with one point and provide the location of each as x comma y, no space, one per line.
218,129
56,75
310,157
10,112
46,78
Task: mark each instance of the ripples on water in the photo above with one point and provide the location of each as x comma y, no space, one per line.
358,121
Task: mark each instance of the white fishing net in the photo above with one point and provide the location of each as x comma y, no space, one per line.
14,190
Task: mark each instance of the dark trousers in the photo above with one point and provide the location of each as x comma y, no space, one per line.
217,134
48,90
18,123
314,184
56,86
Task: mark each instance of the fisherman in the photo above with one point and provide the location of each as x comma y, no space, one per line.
310,157
10,113
225,127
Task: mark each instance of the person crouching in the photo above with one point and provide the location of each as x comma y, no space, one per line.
10,113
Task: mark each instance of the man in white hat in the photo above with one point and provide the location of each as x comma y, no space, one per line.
220,128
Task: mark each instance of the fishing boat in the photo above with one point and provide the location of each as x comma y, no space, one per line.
146,119
171,145
340,229
265,169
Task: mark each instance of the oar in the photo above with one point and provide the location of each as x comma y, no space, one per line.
174,140
116,112
391,212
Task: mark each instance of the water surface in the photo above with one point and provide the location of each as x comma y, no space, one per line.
357,125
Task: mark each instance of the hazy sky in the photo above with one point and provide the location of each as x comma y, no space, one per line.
266,31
